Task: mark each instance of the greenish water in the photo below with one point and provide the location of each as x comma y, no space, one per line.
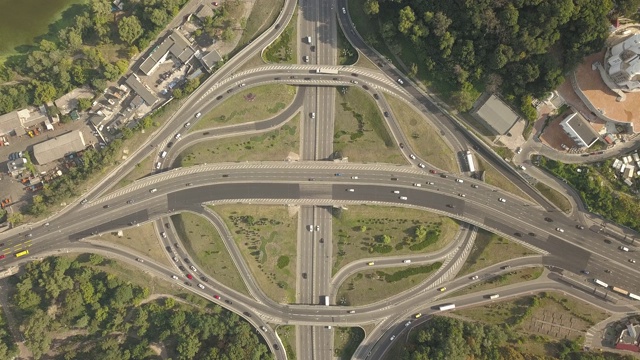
24,20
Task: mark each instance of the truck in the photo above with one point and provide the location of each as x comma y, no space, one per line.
620,291
469,158
446,307
327,71
601,283
324,299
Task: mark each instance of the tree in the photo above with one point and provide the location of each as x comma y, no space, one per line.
133,51
84,104
227,34
122,65
407,18
111,72
43,92
463,99
99,84
371,7
129,29
158,17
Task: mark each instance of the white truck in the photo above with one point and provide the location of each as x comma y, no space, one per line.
324,299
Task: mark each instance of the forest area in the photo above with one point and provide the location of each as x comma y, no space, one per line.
107,319
520,48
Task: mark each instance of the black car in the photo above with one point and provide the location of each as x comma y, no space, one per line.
386,114
276,78
106,206
170,144
166,225
225,175
376,96
365,87
321,240
168,248
450,206
354,74
313,48
292,77
229,91
277,26
187,260
205,133
247,314
219,97
228,302
204,278
304,275
129,201
518,234
182,268
187,283
532,234
275,346
505,267
548,219
307,78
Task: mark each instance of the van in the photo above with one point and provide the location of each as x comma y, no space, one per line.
624,248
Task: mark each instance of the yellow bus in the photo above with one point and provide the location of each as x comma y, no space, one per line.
22,253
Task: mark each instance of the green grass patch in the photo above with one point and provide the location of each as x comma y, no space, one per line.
360,130
143,239
274,145
423,138
287,334
253,104
285,47
361,231
263,14
369,286
346,341
203,242
264,235
509,278
142,169
555,197
489,249
495,178
347,54
283,262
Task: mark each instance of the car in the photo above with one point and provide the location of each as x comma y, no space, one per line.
187,283
338,174
139,260
158,166
451,206
607,241
443,176
344,11
305,58
386,114
275,346
548,219
187,260
164,235
189,276
624,248
505,267
518,150
230,91
522,167
229,302
403,198
174,277
407,261
608,271
310,228
312,179
459,181
517,234
106,206
175,258
163,154
188,184
354,177
396,191
376,96
586,272
84,201
417,184
304,275
351,311
354,82
321,240
201,286
247,314
559,229
350,190
401,145
400,82
394,179
312,115
153,190
193,268
462,195
219,97
370,263
198,115
407,323
421,165
433,171
502,200
187,125
581,227
392,338
632,261
474,186
204,278
167,225
442,289
532,234
317,227
474,277
278,26
263,328
177,137
170,144
181,268
242,85
430,183
413,157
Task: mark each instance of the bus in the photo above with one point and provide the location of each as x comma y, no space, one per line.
22,253
446,307
601,283
327,71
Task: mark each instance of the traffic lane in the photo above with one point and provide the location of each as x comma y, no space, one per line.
240,191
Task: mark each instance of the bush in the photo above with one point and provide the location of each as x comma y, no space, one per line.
283,261
399,275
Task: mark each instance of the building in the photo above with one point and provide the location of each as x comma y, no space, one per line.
68,102
210,59
17,166
176,45
579,130
138,87
10,124
623,60
56,148
496,115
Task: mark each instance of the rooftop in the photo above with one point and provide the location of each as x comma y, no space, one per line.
56,148
174,44
134,83
9,123
582,128
497,115
69,101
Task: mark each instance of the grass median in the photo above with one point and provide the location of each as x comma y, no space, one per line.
253,104
367,287
263,14
495,178
489,249
555,197
285,47
376,231
266,236
422,136
509,278
276,145
346,341
361,133
202,241
143,239
287,334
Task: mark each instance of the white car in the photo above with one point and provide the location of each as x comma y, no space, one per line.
174,277
242,85
518,150
474,277
400,82
187,125
396,191
310,228
163,154
158,166
413,157
350,190
264,328
462,195
407,323
502,200
163,234
632,261
406,261
177,136
522,167
623,248
393,337
201,286
430,183
344,11
153,190
403,198
421,165
354,177
559,229
317,227
198,115
459,181
193,268
417,184
305,58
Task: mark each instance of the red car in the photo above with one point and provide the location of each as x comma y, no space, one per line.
433,171
216,297
215,4
2,257
189,276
